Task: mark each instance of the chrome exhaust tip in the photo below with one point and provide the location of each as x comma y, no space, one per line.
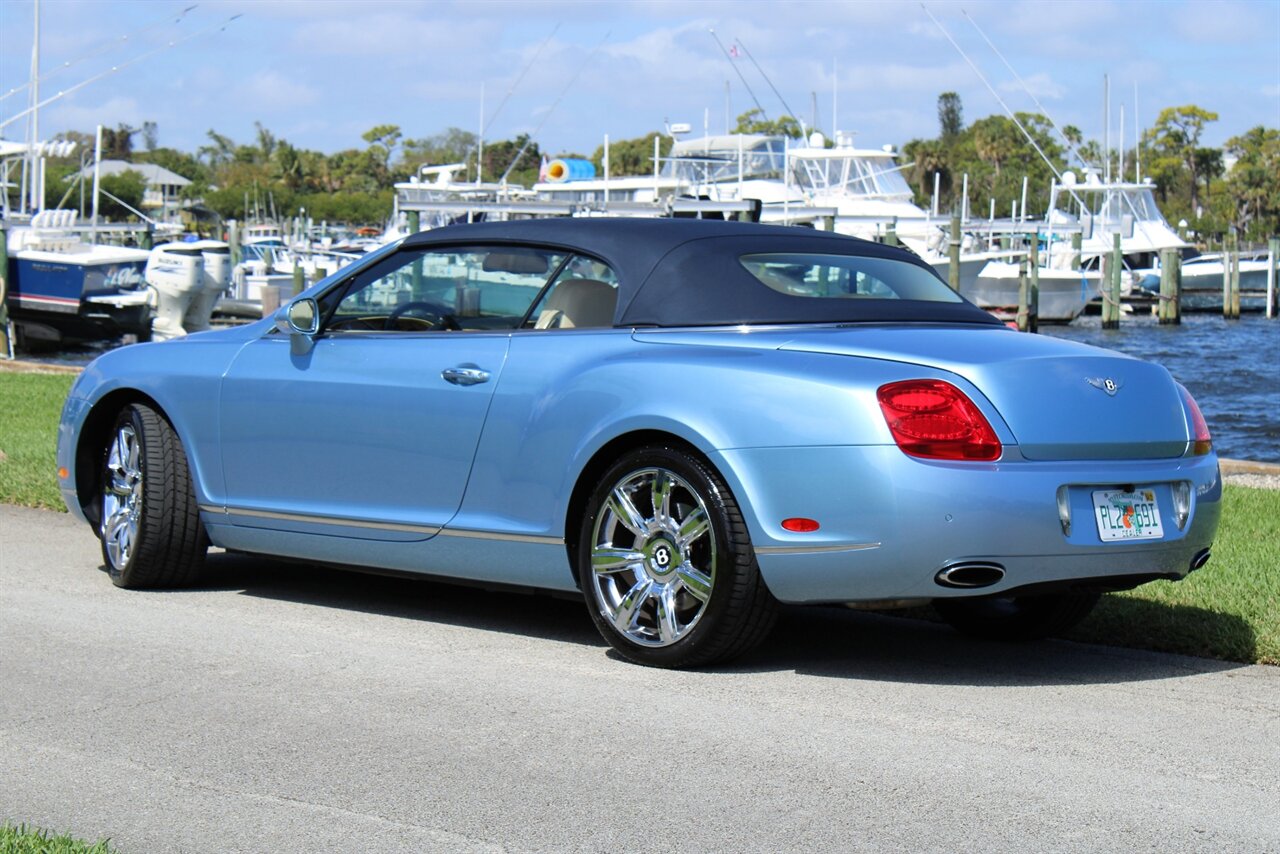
970,574
1200,559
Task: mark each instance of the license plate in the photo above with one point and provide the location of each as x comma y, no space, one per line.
1127,515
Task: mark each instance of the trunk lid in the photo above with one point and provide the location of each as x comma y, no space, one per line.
1061,400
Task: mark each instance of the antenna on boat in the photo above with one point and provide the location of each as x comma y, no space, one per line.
785,105
729,58
1012,116
113,69
1071,149
552,109
94,54
493,117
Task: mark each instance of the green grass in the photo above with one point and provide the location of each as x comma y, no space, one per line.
17,839
29,408
1228,610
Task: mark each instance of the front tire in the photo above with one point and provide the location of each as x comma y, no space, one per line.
1017,618
666,563
151,532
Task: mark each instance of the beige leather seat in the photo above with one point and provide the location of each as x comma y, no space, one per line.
578,303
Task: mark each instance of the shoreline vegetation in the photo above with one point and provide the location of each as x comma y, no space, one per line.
1230,610
1215,189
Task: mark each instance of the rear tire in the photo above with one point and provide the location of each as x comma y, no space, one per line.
150,531
1017,618
666,563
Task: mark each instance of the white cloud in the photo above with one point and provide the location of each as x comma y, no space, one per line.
1040,85
267,91
85,113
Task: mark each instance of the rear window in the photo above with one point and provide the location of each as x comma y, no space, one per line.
847,277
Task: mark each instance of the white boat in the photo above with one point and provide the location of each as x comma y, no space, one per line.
866,188
1063,293
61,287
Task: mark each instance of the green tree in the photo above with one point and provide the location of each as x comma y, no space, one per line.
117,144
950,116
1254,181
753,121
927,158
382,141
632,156
1174,141
218,152
453,145
499,157
128,187
266,144
996,139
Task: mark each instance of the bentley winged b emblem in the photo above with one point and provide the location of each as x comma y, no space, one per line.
1107,384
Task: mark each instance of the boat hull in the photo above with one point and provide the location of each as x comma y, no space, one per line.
1063,293
78,297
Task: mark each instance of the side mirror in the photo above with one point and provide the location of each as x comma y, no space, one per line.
300,320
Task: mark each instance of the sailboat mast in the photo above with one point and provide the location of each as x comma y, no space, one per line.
33,179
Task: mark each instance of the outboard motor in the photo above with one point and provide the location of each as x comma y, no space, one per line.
176,272
217,277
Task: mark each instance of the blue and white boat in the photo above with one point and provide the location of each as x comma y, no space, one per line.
62,288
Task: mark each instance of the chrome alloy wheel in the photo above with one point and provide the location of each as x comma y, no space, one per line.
653,557
122,497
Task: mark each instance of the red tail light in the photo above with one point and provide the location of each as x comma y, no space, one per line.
934,419
1201,442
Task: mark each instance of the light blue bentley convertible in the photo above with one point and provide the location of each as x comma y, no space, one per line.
686,421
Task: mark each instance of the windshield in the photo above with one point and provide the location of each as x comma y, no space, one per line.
864,176
764,159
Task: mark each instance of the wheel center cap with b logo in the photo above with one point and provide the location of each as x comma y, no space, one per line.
662,557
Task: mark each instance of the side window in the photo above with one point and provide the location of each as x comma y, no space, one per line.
443,288
583,295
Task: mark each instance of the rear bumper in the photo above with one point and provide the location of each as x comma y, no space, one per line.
890,523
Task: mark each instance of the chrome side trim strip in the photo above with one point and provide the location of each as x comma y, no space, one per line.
428,530
803,550
510,538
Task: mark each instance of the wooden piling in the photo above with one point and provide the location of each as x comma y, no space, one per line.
1024,297
1230,276
413,221
1273,276
1034,307
299,280
1077,241
953,254
148,238
891,233
6,333
1170,311
233,241
1111,288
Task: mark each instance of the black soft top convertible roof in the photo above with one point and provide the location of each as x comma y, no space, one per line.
685,272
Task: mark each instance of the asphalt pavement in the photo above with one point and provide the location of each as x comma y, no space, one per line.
290,708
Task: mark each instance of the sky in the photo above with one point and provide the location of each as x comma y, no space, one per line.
319,73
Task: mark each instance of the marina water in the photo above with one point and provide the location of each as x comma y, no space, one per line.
1231,368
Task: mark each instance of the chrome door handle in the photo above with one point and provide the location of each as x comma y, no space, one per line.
465,375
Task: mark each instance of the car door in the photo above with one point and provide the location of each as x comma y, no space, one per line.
373,432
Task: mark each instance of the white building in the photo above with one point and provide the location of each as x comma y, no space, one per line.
161,198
